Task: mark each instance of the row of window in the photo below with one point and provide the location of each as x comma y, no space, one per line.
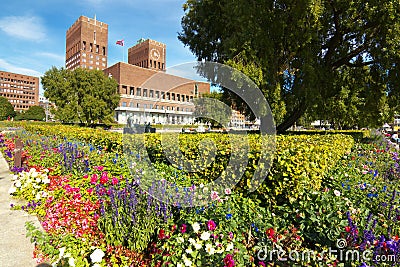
4,90
16,106
91,56
12,101
153,64
16,86
151,106
16,96
156,94
16,81
93,48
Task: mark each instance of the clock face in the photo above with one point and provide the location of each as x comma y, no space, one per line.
155,54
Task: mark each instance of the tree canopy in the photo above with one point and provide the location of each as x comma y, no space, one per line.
81,95
334,59
6,109
35,113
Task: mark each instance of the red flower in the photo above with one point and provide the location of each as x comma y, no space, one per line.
161,234
114,180
347,229
270,233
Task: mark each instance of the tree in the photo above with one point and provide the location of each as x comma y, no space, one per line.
6,109
300,52
35,113
210,108
81,95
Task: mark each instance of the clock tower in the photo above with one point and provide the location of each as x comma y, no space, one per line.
148,54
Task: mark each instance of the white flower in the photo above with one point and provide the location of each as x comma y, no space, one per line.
337,193
187,262
197,246
205,236
209,249
180,239
96,265
38,195
189,251
196,227
12,190
14,177
71,262
179,265
192,241
229,247
18,183
46,180
38,180
97,255
62,250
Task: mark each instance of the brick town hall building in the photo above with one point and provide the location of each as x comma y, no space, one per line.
148,94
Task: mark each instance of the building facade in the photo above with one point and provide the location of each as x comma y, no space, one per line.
87,44
148,54
151,96
22,91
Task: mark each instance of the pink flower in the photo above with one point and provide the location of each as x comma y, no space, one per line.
183,228
261,263
114,180
230,235
211,225
93,180
99,168
228,191
86,176
89,190
214,195
104,178
228,260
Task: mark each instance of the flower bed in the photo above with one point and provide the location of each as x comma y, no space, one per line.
94,212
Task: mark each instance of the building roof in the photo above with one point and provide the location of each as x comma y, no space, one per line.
144,77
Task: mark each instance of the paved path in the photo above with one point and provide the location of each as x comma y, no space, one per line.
15,249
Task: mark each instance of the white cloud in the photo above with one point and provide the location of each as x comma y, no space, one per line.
6,66
57,57
23,27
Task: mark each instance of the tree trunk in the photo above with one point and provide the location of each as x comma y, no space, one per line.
297,113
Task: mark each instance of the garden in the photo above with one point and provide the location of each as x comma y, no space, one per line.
328,200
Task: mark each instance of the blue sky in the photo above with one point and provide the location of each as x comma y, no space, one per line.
32,32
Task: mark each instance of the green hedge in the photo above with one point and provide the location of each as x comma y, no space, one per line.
300,161
356,134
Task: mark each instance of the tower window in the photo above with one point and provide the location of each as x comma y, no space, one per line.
94,36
